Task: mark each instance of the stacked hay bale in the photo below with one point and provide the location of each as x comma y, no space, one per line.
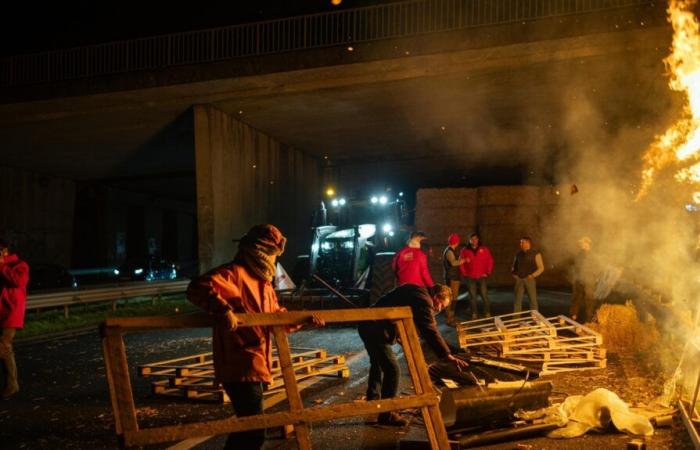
622,330
504,214
440,212
501,214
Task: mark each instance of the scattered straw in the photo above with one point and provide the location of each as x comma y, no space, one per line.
622,330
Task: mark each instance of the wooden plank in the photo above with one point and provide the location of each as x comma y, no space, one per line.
435,428
261,319
307,415
290,384
123,405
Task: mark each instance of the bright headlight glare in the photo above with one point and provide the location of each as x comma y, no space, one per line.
374,200
138,271
326,246
334,202
386,228
342,202
383,200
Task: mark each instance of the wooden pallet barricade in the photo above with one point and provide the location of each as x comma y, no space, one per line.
554,344
193,376
130,434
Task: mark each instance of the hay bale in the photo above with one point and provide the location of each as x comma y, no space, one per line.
508,195
622,330
451,197
524,216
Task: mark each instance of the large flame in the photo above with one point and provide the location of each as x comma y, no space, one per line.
679,146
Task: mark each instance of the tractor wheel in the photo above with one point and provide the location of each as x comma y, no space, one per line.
382,276
302,269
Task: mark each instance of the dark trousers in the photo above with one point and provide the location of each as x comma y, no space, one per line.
582,295
483,291
247,400
384,369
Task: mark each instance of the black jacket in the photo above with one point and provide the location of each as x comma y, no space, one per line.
418,299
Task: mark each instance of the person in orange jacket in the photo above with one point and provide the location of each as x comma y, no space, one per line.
243,355
14,276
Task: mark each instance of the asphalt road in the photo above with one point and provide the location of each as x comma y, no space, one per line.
64,401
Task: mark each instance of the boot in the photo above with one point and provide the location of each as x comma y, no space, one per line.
392,419
12,387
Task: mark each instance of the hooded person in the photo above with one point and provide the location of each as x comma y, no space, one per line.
243,355
14,276
451,273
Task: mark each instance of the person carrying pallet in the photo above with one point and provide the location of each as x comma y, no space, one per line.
243,355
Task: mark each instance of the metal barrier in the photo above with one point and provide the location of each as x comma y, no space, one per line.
67,299
392,20
124,408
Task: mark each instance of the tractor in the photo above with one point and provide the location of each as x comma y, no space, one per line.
352,247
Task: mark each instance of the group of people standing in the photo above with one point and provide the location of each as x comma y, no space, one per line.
473,264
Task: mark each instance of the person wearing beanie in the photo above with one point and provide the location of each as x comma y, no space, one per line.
379,336
450,265
243,355
410,264
14,276
477,267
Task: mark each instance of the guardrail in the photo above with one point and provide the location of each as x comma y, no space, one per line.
66,299
392,20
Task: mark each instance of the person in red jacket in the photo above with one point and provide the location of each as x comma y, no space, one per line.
410,264
477,266
14,276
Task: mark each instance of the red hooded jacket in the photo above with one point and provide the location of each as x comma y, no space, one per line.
14,276
478,263
411,267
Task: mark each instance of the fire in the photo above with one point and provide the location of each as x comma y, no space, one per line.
679,146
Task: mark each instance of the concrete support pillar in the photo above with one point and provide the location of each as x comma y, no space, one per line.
245,177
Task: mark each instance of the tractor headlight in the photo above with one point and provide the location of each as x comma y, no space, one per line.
138,271
374,200
341,202
387,228
335,203
348,245
326,246
383,200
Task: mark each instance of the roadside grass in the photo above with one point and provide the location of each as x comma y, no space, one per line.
53,321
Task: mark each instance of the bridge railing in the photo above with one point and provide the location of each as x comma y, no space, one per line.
342,27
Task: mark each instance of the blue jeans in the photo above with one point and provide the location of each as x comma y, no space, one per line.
525,284
384,369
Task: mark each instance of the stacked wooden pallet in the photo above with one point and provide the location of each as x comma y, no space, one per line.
552,345
193,376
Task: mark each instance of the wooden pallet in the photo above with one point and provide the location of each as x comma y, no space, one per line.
554,344
193,376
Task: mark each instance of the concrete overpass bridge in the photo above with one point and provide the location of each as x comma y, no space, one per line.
244,124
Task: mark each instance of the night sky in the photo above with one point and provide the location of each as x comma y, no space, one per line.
36,26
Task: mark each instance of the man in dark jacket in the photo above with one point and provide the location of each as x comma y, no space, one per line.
527,266
583,279
14,276
379,336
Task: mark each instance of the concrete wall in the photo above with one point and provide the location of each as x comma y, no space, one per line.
37,215
501,215
245,177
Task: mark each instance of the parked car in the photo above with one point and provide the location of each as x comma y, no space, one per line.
149,270
46,276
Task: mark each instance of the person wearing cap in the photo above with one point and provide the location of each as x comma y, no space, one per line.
527,266
451,272
477,267
379,336
410,264
14,276
243,355
583,279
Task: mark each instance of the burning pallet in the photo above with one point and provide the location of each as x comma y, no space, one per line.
554,344
193,376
